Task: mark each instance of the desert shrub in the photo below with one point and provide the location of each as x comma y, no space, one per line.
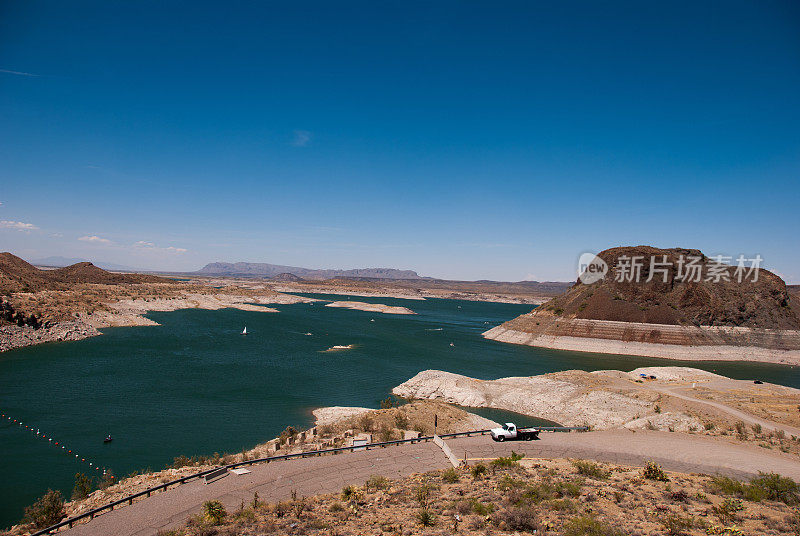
740,428
47,510
366,423
83,487
676,525
725,485
214,512
652,471
336,507
591,469
480,508
777,487
522,518
377,482
725,513
478,471
245,515
422,493
679,495
351,494
508,461
588,525
770,486
425,517
757,429
107,479
386,434
562,505
450,476
280,509
401,420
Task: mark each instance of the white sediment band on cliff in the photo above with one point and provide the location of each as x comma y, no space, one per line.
708,343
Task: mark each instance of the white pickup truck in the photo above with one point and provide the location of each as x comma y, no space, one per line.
510,432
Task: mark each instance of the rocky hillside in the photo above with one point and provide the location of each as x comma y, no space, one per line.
671,299
671,313
16,275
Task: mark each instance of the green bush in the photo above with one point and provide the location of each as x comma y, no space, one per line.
46,511
481,509
83,487
478,470
376,482
508,461
588,525
677,525
426,518
777,487
652,471
214,512
450,476
591,469
770,486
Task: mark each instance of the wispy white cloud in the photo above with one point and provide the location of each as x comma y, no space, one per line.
95,239
150,246
301,138
18,225
18,73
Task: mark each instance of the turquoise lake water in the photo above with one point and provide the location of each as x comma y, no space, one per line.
194,385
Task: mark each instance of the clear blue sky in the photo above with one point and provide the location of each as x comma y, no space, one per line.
460,139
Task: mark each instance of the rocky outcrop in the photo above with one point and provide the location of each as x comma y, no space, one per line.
572,398
663,309
18,336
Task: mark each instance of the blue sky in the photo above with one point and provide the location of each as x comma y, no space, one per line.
465,140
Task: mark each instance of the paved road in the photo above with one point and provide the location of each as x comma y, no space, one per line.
673,451
309,476
273,482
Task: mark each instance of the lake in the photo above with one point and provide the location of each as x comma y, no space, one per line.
195,385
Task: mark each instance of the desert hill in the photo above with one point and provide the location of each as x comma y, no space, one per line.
765,303
17,275
671,315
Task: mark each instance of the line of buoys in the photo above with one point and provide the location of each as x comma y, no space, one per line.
50,441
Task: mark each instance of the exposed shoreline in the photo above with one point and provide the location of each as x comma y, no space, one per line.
372,307
131,312
695,352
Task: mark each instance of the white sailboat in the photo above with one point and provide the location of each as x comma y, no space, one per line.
244,331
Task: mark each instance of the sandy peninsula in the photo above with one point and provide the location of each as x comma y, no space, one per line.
657,398
372,307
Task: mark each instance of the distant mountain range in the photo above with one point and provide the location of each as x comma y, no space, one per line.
258,269
60,262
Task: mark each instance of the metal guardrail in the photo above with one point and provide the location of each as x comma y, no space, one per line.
383,444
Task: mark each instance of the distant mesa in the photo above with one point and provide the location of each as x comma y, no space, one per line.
264,270
669,316
286,277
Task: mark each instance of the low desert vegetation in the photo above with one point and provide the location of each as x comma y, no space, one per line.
525,496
